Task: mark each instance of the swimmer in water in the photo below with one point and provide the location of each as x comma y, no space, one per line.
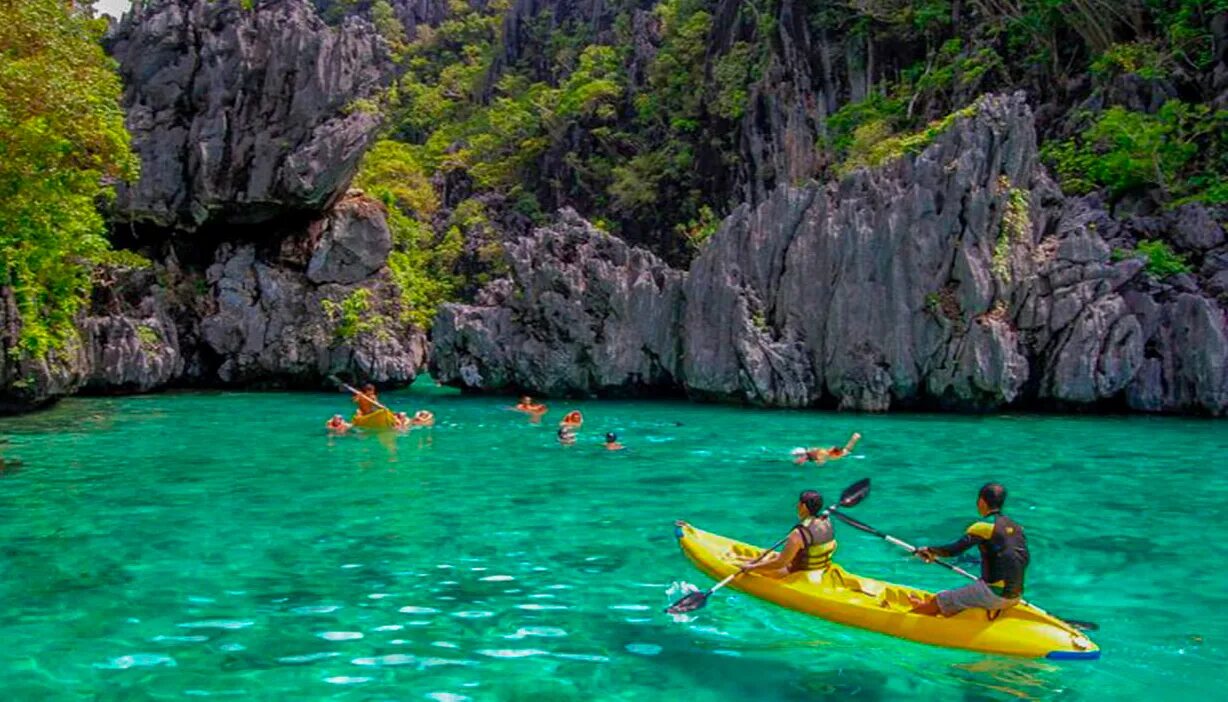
528,406
337,424
566,436
823,455
611,442
423,418
572,419
402,420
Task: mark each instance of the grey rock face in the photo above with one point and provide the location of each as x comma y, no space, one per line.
355,245
240,116
955,278
131,347
588,315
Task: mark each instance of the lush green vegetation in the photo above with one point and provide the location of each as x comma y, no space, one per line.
1162,261
62,143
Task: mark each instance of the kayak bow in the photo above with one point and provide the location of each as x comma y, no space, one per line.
841,597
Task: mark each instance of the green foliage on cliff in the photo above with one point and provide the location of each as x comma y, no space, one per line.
62,145
1162,261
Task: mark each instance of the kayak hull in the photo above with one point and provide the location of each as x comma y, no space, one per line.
841,597
379,419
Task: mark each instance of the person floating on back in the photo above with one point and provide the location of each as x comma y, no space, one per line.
823,455
1004,559
337,424
611,442
810,546
572,419
528,406
366,400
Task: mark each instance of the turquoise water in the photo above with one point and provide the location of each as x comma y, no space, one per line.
221,545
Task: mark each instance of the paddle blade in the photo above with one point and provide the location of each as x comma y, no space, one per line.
856,524
855,493
689,603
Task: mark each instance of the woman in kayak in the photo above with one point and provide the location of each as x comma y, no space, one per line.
810,545
823,455
366,399
337,424
572,419
1004,559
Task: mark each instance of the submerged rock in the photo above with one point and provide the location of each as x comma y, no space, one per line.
242,115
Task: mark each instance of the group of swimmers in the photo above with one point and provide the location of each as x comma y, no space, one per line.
569,425
368,403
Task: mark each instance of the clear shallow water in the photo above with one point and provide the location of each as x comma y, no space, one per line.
220,545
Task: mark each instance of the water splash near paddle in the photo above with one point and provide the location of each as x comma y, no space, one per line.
676,589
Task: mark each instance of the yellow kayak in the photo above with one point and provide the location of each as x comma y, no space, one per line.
841,597
379,419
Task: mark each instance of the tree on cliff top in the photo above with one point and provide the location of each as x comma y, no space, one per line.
62,145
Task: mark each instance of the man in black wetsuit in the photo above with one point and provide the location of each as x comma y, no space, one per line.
1004,558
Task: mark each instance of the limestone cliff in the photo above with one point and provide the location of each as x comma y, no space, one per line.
958,277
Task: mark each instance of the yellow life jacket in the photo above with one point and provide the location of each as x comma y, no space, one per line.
818,545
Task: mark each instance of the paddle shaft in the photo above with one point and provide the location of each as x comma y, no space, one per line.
949,566
356,391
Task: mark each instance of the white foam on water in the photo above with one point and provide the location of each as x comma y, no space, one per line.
138,660
473,614
218,624
533,607
444,644
307,658
643,649
496,578
631,607
351,566
232,647
179,639
411,609
512,652
378,596
340,635
446,697
346,680
316,609
392,659
389,627
542,631
587,658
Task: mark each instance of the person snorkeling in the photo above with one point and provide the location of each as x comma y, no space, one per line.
611,442
1004,560
366,400
810,545
823,455
337,424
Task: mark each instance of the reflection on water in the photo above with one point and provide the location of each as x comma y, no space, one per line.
217,545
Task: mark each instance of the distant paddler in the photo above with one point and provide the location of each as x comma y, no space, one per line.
823,455
572,419
367,400
528,406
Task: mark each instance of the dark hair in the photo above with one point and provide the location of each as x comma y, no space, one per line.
994,495
368,388
812,500
611,437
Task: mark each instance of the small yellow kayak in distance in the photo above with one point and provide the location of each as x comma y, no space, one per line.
379,419
841,597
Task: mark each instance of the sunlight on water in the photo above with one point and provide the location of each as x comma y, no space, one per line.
221,545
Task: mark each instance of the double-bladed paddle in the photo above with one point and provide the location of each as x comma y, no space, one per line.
1082,625
696,600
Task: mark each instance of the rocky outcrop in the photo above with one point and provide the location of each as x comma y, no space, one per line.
318,304
28,382
242,115
955,278
587,315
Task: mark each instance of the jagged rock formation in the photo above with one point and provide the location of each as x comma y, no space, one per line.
955,278
26,382
242,116
589,315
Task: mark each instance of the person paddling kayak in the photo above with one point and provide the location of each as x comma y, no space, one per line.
810,545
823,455
366,399
1004,559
